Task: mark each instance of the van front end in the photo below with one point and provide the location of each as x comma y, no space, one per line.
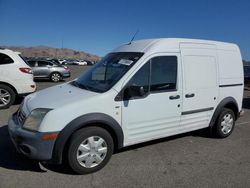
33,144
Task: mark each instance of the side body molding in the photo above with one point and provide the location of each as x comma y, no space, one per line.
100,119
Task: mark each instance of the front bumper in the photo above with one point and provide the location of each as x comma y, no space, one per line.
30,144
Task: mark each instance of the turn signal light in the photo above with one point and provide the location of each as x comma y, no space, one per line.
52,136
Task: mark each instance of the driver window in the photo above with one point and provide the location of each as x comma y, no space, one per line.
163,73
141,79
160,72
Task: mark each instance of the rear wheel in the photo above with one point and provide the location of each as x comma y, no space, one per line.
225,123
90,150
55,77
7,96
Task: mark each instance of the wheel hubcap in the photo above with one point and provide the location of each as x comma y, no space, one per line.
4,97
91,152
56,77
227,123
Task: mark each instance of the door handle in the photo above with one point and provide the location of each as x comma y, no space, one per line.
173,97
189,95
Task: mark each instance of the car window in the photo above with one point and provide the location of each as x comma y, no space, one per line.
24,59
50,64
141,78
163,73
42,63
32,63
5,59
157,75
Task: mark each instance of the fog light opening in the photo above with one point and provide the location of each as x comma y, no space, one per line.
25,149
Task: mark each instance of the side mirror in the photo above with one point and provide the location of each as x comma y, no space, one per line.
134,91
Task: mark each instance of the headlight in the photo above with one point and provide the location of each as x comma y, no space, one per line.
35,118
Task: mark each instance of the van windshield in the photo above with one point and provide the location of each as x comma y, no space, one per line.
104,74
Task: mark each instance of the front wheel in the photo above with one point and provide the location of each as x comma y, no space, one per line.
90,150
225,123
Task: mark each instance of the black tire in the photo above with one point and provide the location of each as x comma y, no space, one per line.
55,77
218,130
4,89
78,138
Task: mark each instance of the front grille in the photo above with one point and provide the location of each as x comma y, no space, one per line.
20,116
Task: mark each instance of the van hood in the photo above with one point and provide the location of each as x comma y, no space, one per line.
56,97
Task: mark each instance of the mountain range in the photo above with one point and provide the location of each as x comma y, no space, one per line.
60,53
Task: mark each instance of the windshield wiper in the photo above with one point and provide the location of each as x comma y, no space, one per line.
82,86
77,84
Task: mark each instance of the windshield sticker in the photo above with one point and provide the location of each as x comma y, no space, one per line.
125,62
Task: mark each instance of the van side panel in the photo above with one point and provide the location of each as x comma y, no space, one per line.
230,67
231,77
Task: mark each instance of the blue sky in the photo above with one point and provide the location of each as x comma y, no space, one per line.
99,26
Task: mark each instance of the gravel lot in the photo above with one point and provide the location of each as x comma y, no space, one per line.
187,160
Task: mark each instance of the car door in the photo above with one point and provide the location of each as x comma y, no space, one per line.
200,85
43,68
151,106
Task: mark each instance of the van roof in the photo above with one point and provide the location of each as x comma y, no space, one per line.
170,44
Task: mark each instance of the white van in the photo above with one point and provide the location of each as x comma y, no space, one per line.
141,91
16,77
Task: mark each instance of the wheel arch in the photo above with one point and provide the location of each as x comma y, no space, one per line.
228,102
9,85
94,119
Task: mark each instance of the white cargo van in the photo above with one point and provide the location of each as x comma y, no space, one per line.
141,91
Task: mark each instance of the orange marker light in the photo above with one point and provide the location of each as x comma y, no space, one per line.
49,136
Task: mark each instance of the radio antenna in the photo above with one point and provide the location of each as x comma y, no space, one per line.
133,37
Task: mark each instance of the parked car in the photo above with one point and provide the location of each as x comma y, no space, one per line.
142,91
247,76
61,61
16,78
81,62
69,62
49,70
90,63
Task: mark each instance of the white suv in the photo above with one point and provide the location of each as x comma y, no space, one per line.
141,91
16,78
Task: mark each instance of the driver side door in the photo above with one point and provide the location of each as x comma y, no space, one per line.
151,106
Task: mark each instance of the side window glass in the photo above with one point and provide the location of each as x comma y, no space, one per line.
42,63
31,63
163,73
138,86
4,59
